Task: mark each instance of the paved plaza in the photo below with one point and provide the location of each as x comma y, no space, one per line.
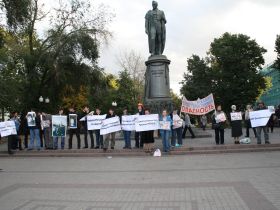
223,181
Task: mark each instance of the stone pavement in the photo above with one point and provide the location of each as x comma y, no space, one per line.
203,182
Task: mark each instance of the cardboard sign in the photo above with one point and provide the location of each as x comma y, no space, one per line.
31,119
94,122
198,107
164,125
128,122
8,128
220,118
73,122
110,125
59,125
147,122
234,116
259,118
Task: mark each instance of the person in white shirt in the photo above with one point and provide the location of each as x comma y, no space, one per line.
176,129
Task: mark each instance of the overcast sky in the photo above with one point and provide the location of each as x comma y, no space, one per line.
191,27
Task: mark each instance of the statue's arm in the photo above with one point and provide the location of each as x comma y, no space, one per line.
147,23
163,18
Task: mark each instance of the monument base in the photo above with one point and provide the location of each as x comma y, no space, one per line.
157,86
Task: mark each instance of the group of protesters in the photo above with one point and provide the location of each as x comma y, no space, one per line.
41,134
236,125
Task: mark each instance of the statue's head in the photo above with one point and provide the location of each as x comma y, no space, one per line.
155,5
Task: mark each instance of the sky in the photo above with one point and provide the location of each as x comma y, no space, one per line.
191,26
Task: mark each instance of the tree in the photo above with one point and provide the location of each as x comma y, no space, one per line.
235,63
134,64
277,50
197,81
67,49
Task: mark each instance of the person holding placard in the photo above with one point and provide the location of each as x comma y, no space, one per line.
236,124
74,127
86,112
165,130
148,137
218,124
261,106
55,139
34,126
126,133
138,140
13,140
248,121
98,137
109,136
176,129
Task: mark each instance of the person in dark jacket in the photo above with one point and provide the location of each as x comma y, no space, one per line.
261,106
148,137
73,130
218,124
109,136
86,112
138,140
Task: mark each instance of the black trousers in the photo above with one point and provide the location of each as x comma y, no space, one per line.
91,138
185,130
71,133
219,135
248,131
138,140
12,143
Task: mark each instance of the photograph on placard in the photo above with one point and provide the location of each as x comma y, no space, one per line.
31,121
164,125
59,125
73,122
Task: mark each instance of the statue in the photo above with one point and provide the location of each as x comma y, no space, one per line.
155,29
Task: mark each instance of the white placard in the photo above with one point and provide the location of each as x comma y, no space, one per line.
31,119
94,122
59,125
234,116
8,128
220,118
128,122
164,125
110,125
259,118
147,122
271,109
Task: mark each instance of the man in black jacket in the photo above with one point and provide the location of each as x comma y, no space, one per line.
138,139
74,130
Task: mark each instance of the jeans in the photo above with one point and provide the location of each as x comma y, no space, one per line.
177,133
259,132
165,140
219,135
55,142
35,133
99,138
127,139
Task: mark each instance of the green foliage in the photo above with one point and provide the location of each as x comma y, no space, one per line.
232,74
65,56
197,80
277,50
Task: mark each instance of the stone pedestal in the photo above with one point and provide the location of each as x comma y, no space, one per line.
157,85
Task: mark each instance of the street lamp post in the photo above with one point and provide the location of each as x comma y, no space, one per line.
44,101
